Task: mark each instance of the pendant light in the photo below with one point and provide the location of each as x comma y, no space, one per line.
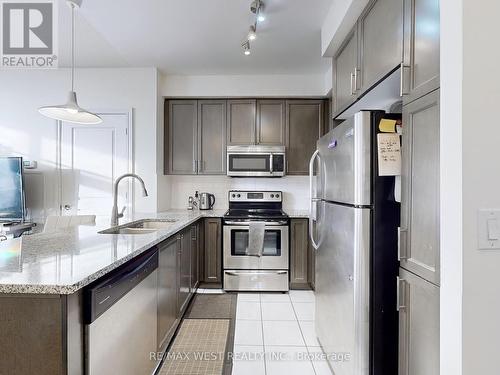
71,111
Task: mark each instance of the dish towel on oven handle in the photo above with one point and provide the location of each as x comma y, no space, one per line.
256,233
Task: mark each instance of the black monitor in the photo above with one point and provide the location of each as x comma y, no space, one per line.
12,207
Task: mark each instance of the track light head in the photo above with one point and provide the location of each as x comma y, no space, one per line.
257,8
251,33
246,48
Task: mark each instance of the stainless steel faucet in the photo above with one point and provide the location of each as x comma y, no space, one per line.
115,216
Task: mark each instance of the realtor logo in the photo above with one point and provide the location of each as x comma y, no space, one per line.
28,34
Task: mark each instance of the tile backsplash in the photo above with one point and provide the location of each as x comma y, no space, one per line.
295,189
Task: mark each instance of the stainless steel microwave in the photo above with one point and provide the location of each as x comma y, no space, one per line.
256,161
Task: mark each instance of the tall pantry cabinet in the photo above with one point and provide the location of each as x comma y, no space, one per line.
419,276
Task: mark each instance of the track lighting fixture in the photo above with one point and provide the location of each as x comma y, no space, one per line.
257,8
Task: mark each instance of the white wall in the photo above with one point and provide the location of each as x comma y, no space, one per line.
451,187
470,301
23,131
338,22
480,185
243,86
163,182
295,189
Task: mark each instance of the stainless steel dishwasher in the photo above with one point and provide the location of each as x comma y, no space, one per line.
121,319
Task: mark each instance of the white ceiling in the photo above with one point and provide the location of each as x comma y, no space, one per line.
197,37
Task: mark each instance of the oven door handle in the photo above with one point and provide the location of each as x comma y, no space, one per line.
268,224
234,273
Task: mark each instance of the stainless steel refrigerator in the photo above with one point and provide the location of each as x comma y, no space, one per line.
353,226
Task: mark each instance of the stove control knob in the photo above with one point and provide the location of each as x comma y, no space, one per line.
272,195
277,196
234,195
239,195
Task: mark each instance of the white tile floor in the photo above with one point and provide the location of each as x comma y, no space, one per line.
274,333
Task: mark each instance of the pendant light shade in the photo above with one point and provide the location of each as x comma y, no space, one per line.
71,111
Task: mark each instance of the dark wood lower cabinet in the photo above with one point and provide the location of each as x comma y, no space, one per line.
195,254
301,255
311,265
167,290
212,254
41,334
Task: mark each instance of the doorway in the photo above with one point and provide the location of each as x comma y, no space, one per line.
91,157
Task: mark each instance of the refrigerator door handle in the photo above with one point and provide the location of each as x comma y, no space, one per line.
313,200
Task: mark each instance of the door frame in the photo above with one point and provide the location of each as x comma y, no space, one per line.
130,162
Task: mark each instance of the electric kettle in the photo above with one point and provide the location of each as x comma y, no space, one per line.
207,201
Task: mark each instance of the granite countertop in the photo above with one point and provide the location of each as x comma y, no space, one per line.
64,262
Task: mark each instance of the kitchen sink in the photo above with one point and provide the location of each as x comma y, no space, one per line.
141,226
152,224
127,231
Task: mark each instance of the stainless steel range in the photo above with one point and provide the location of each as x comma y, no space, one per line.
244,271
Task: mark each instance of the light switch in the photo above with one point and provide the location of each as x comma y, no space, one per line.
489,229
492,229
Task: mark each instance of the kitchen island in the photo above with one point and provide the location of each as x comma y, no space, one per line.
42,278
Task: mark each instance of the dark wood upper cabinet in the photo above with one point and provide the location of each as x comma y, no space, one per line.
241,116
345,72
195,137
197,131
304,125
211,137
181,136
421,48
381,41
271,122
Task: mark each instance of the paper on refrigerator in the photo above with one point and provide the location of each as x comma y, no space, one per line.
389,154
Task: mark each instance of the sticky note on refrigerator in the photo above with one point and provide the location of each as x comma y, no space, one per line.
387,126
389,154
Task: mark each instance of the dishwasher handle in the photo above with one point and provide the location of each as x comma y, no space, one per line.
105,292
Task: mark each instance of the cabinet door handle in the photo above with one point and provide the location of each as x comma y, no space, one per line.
398,291
352,83
402,244
355,80
402,82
